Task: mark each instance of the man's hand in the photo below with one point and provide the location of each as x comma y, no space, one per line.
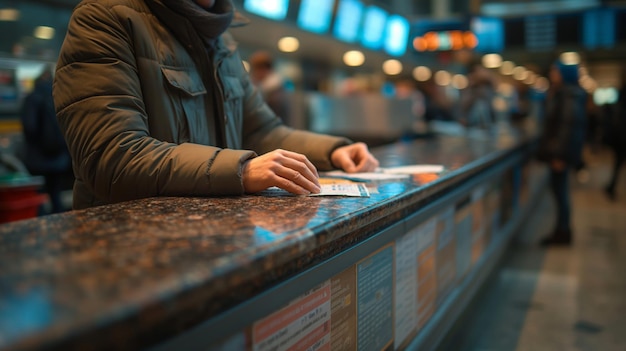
284,169
354,158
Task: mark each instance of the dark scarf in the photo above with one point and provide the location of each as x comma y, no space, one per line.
209,24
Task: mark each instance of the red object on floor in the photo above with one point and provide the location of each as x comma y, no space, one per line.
20,201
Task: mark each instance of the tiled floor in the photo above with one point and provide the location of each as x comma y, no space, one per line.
570,298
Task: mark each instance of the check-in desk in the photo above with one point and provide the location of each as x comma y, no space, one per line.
272,271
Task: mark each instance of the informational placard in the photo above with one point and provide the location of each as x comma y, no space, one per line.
446,254
492,212
375,300
406,288
304,324
343,310
463,231
426,271
478,223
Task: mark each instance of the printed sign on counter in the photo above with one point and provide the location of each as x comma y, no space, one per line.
446,254
304,324
463,229
343,310
492,212
375,301
406,288
426,271
478,223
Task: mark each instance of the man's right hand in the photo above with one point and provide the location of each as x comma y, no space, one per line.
284,169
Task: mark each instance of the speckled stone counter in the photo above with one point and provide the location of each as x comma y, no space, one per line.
130,275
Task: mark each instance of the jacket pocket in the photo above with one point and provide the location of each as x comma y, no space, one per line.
233,104
187,95
186,80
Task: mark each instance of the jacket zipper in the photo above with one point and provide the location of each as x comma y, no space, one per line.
220,103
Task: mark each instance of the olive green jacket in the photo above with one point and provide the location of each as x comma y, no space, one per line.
135,111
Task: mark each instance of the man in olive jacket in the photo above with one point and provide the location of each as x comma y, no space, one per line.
153,101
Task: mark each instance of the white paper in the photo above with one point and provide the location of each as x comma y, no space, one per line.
414,169
358,190
364,176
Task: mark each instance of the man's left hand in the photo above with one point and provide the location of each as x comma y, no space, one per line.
354,158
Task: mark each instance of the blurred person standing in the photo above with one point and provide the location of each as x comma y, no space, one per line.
270,84
407,89
46,153
477,100
616,139
562,141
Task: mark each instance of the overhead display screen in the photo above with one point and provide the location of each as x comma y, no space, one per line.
489,32
374,24
315,15
272,9
348,20
396,35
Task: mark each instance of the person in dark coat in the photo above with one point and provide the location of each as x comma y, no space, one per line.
46,153
562,142
615,131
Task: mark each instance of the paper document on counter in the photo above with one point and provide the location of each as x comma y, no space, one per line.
357,190
388,173
414,169
365,176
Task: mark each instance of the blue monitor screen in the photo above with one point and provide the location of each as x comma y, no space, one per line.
397,35
273,9
599,28
315,15
348,20
489,32
374,28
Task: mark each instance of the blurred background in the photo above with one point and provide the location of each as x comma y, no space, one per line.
376,71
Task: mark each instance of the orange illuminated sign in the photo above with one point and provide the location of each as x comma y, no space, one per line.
443,41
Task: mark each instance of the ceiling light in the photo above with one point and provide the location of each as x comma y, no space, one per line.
353,58
520,73
460,81
422,73
392,67
507,68
530,79
492,60
288,44
443,78
570,58
44,32
9,14
542,84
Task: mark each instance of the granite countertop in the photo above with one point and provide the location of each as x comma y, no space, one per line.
128,275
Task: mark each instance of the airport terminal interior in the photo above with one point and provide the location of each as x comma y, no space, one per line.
465,84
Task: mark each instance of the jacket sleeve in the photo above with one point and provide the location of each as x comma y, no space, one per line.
100,108
263,131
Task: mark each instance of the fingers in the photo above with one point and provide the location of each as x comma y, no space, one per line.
287,170
354,158
297,177
367,164
303,159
